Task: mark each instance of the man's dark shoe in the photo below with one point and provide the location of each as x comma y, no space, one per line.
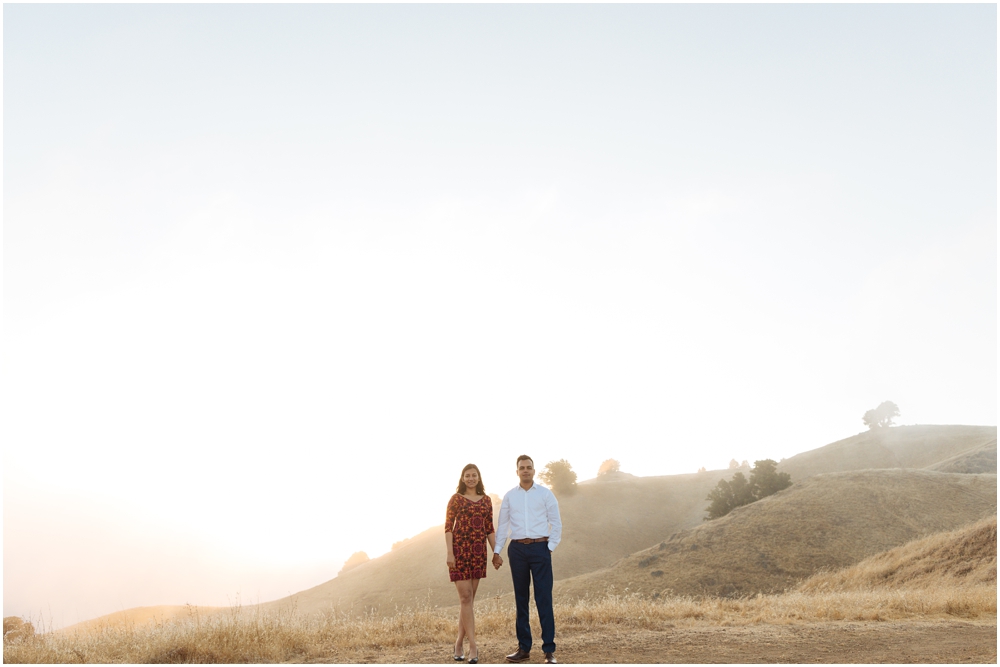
550,658
518,655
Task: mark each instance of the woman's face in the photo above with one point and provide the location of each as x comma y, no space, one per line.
471,479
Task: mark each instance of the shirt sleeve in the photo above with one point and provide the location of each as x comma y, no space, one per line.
450,514
555,521
503,529
489,516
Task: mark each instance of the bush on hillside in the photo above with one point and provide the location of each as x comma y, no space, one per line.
357,558
559,476
16,628
764,481
611,465
881,417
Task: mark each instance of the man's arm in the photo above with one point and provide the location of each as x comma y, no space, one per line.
503,524
555,521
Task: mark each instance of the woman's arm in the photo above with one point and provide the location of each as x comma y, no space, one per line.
449,541
449,537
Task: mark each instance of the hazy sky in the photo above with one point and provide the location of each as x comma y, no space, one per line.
273,274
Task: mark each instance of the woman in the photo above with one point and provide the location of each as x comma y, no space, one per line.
468,526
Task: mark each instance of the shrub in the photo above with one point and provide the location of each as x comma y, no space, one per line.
357,558
611,465
559,476
764,481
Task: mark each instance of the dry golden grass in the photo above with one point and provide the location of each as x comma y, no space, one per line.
978,460
256,636
944,576
966,557
138,616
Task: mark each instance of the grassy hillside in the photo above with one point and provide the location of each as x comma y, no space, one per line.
978,460
939,590
822,523
139,616
963,557
601,523
897,447
620,514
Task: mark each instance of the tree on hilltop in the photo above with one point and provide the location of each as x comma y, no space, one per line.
764,481
611,465
733,464
881,417
559,476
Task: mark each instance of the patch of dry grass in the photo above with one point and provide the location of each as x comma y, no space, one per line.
256,636
948,575
966,557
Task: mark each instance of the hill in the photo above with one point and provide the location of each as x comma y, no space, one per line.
978,460
896,447
601,523
621,514
825,522
963,557
139,616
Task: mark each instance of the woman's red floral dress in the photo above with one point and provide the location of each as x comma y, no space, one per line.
469,522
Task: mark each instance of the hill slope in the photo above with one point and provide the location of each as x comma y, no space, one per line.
601,523
897,447
978,460
619,514
963,557
824,522
139,616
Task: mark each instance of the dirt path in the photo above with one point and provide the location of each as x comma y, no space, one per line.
913,642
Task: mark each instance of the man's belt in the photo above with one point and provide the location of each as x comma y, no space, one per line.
530,540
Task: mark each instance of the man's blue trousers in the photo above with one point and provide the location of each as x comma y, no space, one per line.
532,564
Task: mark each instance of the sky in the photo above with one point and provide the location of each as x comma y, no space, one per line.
273,274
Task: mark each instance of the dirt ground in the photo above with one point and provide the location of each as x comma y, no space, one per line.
881,642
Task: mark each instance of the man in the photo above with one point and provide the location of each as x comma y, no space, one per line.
529,515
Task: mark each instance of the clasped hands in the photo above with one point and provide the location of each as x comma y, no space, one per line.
497,561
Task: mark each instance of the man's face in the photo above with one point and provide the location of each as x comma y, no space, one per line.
526,470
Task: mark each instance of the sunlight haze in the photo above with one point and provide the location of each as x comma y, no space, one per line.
274,273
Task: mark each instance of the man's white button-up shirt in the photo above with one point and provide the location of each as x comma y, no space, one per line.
529,514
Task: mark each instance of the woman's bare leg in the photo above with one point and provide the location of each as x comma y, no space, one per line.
467,622
461,626
461,635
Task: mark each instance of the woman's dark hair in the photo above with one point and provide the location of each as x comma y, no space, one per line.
480,489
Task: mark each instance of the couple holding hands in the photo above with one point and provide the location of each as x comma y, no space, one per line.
529,518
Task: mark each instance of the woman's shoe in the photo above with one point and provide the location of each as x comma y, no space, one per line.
459,658
474,661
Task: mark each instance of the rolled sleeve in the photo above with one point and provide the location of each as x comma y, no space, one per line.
555,521
503,524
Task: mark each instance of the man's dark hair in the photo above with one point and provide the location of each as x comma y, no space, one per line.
523,457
